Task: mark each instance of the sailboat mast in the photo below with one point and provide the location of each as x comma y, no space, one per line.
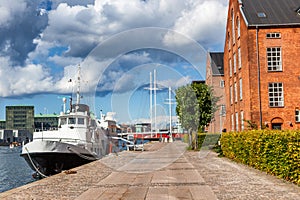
150,89
154,88
170,109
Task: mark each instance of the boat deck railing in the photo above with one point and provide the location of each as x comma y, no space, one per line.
46,129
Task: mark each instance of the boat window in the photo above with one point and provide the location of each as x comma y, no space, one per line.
80,120
72,120
63,121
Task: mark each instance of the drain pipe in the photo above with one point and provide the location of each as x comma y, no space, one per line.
258,78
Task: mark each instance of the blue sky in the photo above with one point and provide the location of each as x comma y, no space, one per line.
117,44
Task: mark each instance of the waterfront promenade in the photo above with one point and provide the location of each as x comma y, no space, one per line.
162,171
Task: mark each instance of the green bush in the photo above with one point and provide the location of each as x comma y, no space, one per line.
276,152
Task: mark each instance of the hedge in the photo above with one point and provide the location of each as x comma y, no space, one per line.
276,152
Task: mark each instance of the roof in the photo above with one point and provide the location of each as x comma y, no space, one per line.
45,115
217,63
21,105
271,12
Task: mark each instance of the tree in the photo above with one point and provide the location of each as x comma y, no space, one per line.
195,107
207,103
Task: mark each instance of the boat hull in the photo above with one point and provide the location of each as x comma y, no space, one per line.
51,157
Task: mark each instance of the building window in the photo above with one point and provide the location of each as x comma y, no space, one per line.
230,68
261,15
235,92
232,122
241,89
234,63
229,43
240,58
273,35
276,95
238,27
237,121
274,59
222,83
297,115
223,110
298,11
232,26
242,120
230,94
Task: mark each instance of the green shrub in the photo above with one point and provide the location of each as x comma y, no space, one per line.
276,152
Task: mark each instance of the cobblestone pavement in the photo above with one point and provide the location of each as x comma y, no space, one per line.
163,171
230,180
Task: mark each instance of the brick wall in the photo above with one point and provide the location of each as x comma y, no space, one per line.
252,99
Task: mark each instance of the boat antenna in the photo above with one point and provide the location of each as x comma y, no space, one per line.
78,86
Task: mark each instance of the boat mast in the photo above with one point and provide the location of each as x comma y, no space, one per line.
78,86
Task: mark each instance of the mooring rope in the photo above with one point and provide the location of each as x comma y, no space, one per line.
37,170
81,155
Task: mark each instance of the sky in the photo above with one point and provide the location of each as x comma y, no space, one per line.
116,43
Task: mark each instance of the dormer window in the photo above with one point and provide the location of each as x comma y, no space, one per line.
261,15
298,11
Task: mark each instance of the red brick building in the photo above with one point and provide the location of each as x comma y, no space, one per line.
261,64
215,79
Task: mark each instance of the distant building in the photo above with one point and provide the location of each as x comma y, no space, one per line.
45,121
20,117
261,58
215,79
21,123
2,124
8,136
142,127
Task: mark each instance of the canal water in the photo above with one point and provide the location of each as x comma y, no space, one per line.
14,171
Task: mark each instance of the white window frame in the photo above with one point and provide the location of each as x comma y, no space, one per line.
232,122
237,121
222,83
297,115
230,67
242,121
235,92
240,58
276,95
273,35
223,110
234,62
241,89
274,59
231,95
232,26
229,41
238,24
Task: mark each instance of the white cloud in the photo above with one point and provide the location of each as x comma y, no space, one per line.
175,83
204,21
29,79
11,9
81,25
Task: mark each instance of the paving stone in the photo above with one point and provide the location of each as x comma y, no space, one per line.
162,171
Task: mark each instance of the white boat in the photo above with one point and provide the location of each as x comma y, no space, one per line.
79,139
